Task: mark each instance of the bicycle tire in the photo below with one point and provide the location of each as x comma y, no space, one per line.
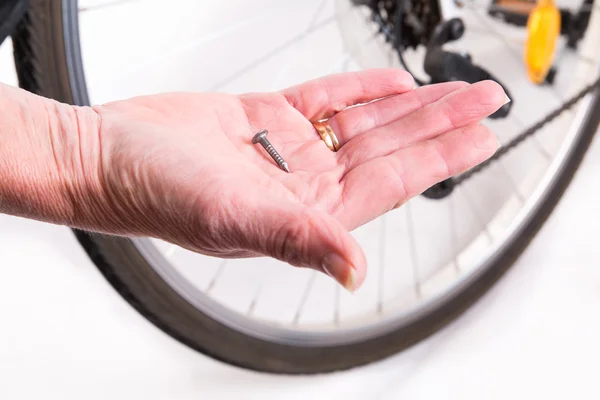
48,60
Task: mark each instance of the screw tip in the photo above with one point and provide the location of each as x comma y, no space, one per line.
284,166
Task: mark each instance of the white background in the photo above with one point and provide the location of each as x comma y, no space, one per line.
66,334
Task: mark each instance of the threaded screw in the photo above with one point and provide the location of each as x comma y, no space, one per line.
261,137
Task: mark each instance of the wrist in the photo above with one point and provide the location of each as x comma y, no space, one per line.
48,158
74,136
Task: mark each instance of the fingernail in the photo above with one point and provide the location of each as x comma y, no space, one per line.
339,269
507,99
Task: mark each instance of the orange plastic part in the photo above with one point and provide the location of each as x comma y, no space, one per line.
543,30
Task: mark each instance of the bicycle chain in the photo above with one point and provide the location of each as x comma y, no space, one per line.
527,133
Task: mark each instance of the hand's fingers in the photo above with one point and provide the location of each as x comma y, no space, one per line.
460,108
304,237
354,121
381,184
323,97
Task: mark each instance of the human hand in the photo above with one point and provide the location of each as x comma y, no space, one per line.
181,167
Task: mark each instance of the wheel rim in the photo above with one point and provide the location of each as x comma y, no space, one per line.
341,330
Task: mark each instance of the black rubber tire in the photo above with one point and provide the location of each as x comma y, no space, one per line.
48,58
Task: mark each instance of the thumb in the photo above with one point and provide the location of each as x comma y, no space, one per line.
308,237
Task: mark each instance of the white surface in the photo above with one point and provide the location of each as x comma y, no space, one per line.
66,334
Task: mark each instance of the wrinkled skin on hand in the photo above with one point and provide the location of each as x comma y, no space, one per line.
182,167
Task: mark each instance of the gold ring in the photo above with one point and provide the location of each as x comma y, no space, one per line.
326,133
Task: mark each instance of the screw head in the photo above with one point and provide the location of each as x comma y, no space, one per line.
259,136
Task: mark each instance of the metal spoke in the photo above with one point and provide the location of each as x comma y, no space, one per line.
309,284
541,150
336,310
316,13
254,300
229,29
514,50
484,20
216,276
478,216
453,233
250,66
346,57
288,61
535,140
380,282
413,249
511,183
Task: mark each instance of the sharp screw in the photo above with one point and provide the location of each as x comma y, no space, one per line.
261,137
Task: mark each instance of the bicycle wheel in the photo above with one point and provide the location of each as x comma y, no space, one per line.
429,260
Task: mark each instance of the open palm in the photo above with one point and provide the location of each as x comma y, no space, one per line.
182,166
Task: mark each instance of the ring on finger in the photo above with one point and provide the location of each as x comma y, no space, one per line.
327,135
